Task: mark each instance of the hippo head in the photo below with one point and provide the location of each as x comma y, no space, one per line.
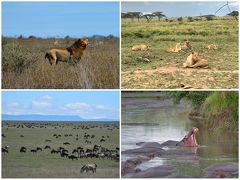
189,140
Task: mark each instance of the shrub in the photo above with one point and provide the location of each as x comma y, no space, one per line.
16,59
209,18
190,19
180,19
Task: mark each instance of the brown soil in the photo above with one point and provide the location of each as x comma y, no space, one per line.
175,77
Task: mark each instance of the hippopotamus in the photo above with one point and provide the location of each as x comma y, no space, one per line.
184,150
150,147
225,170
189,140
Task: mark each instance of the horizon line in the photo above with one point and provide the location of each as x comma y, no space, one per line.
59,37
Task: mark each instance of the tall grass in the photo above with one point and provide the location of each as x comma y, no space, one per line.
24,66
221,110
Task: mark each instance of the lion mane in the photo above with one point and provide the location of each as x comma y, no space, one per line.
75,52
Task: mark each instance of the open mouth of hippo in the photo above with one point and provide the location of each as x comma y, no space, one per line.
189,140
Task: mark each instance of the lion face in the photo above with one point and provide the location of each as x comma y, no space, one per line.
82,42
194,55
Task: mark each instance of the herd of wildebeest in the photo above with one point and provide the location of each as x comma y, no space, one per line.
64,151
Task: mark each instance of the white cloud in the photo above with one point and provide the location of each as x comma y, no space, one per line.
77,106
99,106
46,98
13,105
41,104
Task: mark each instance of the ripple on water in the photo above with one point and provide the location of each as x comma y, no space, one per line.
152,163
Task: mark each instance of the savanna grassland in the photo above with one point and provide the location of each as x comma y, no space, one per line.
43,163
24,65
164,69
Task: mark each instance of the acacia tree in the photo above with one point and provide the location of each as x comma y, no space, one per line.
132,15
159,15
233,13
148,17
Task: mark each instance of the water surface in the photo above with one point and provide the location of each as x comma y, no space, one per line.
152,118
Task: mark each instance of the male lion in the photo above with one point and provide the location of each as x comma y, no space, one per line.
74,52
140,47
194,61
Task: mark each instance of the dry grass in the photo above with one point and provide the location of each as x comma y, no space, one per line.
24,66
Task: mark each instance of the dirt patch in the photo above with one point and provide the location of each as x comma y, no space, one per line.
174,76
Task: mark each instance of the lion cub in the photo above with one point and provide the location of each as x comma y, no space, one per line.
140,47
194,61
175,49
211,46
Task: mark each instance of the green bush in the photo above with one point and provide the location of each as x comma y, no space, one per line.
180,19
16,59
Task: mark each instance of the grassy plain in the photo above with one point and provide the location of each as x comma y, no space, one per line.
165,69
24,65
46,165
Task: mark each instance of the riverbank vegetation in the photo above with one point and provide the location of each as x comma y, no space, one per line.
219,109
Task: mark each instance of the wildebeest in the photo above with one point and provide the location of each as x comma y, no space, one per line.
4,150
6,147
102,140
73,157
88,142
23,149
39,149
47,147
89,167
64,154
53,151
33,150
66,143
48,140
3,135
74,151
21,135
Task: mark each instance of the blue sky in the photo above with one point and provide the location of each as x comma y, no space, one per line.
177,9
52,19
86,104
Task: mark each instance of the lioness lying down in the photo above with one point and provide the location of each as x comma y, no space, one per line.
194,61
179,47
211,46
140,47
175,49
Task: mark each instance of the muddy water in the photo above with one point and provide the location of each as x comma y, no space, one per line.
151,117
